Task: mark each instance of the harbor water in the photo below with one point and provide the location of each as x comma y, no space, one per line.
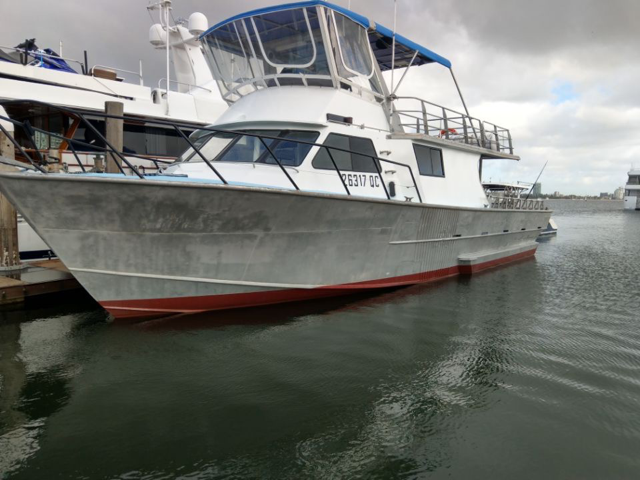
525,371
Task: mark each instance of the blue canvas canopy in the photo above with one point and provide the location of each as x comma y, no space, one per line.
380,37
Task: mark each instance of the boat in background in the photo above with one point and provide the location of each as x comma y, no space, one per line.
34,82
632,190
552,229
509,194
192,97
506,190
319,180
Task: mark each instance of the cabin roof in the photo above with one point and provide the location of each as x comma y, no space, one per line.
380,37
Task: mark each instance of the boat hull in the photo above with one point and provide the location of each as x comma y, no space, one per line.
148,248
631,203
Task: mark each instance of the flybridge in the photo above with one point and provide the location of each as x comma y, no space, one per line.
318,44
310,43
380,37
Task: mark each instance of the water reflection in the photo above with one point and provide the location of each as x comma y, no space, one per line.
32,388
456,379
265,315
16,443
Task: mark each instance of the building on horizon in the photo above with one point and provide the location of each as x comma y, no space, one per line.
618,194
537,190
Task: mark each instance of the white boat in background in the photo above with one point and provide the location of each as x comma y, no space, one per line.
552,229
506,190
319,180
34,82
507,195
632,190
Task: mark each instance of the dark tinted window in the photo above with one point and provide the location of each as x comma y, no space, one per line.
286,147
429,160
137,139
87,139
347,161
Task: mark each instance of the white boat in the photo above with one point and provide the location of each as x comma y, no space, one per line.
506,190
34,82
319,180
552,229
509,195
632,190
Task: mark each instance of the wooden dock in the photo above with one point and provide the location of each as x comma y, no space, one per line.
35,280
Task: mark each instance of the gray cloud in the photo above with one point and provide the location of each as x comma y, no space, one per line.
562,74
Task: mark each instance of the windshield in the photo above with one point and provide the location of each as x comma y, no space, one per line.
231,147
354,59
285,38
245,54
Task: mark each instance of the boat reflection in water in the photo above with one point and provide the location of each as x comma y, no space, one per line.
318,181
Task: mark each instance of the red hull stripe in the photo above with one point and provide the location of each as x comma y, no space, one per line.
170,306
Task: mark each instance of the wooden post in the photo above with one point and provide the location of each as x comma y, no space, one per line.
114,133
9,250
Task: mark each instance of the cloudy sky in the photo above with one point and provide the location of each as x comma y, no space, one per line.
563,75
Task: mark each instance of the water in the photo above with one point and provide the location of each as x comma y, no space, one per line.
528,371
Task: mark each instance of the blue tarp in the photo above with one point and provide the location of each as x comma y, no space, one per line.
380,37
52,61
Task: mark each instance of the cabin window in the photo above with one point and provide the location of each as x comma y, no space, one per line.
54,123
429,160
634,180
353,41
226,147
352,52
359,158
229,58
281,46
86,140
285,38
137,139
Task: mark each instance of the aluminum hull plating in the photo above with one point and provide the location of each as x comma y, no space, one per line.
146,248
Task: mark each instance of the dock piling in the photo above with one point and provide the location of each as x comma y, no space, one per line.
114,134
10,257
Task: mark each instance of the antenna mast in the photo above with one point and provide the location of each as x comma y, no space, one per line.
166,7
393,44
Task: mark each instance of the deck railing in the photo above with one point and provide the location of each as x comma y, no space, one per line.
435,120
39,162
511,203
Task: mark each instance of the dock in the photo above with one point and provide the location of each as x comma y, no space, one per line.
36,279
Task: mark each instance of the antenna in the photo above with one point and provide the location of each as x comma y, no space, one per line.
155,36
393,44
166,7
534,183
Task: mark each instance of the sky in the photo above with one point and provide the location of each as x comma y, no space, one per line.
562,75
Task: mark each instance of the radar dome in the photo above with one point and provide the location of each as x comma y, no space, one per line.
157,35
198,24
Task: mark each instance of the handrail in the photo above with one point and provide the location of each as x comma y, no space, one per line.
109,149
181,83
513,203
35,54
453,125
122,70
